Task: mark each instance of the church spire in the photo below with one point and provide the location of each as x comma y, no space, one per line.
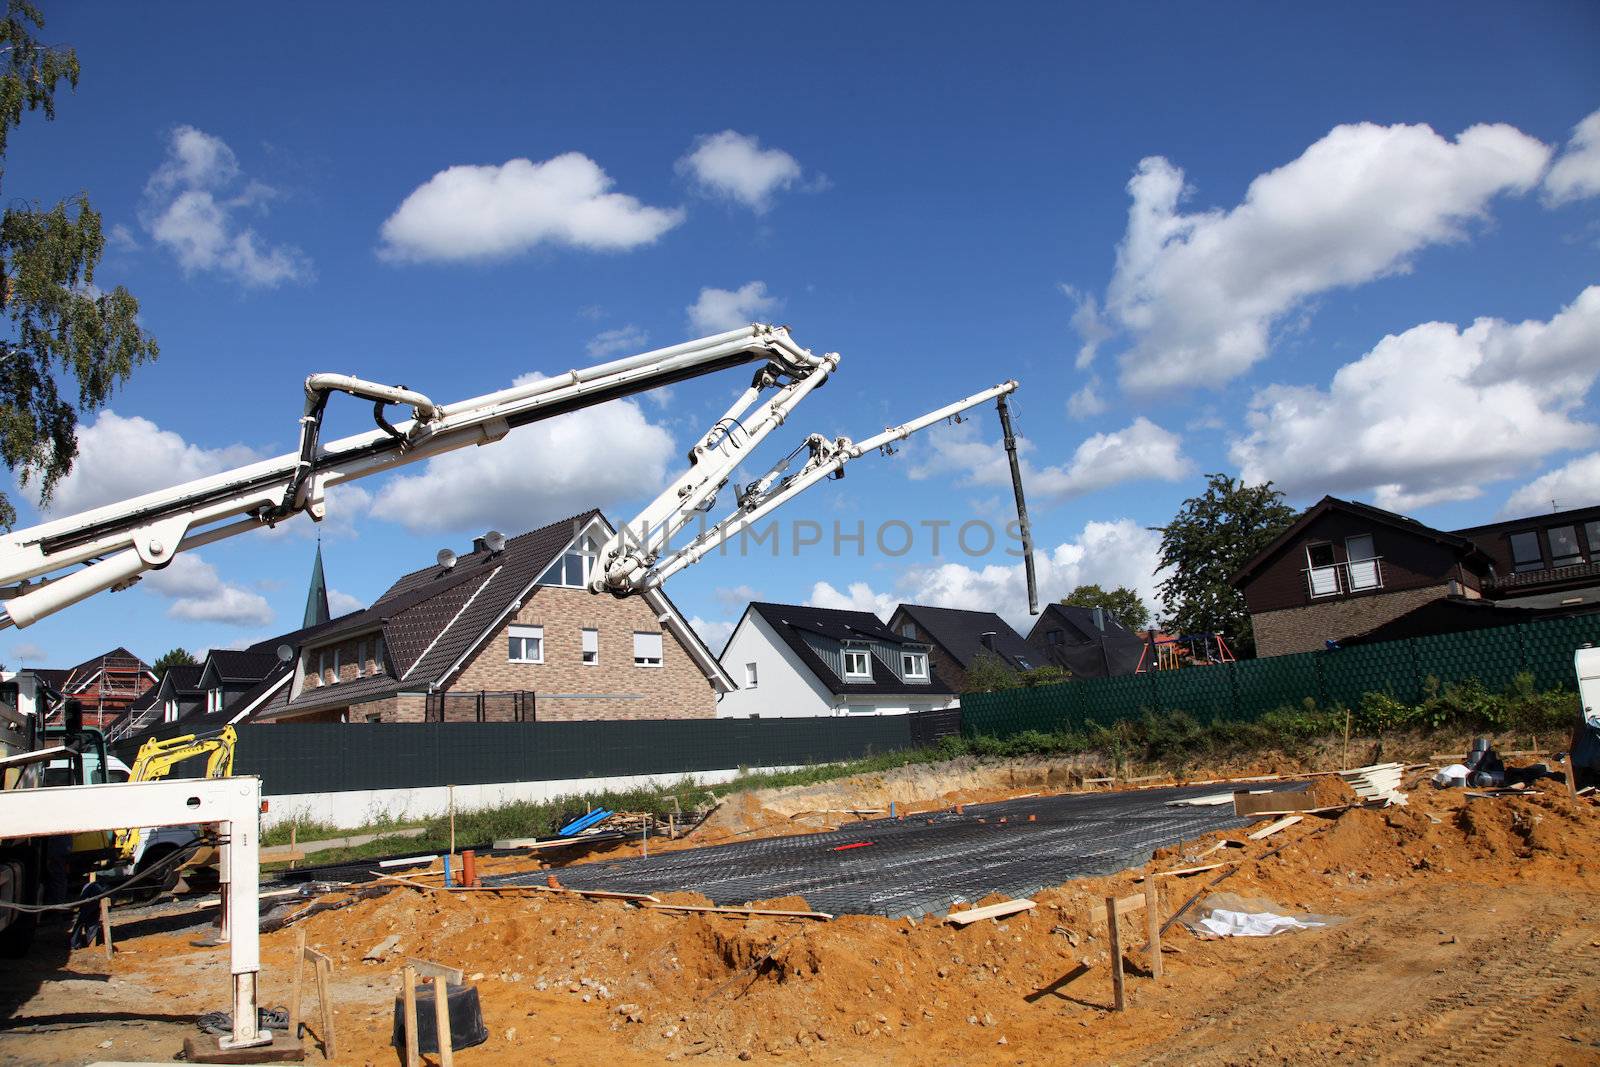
317,596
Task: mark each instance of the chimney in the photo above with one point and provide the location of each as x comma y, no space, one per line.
1100,619
987,639
479,544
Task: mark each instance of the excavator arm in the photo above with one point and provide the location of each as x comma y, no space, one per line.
157,757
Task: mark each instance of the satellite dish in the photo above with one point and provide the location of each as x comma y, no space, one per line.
285,653
446,558
495,540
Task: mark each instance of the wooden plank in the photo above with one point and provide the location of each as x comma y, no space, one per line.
991,911
657,906
1183,872
1145,778
330,1049
294,995
1272,828
441,1020
1152,914
1114,937
408,994
207,1049
1126,906
1270,803
429,969
281,853
598,894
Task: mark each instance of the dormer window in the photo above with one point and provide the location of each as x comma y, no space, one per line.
1525,552
857,664
575,566
1564,550
914,665
213,700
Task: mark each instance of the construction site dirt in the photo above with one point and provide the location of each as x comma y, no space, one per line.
1471,931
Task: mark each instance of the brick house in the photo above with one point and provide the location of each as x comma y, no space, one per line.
1345,570
106,685
956,637
505,633
794,660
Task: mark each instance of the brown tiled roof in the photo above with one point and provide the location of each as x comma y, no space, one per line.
431,617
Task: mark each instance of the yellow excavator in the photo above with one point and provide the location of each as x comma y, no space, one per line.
138,848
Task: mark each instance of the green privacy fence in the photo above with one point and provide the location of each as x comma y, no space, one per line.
1244,691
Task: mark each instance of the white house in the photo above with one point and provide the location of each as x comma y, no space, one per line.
790,660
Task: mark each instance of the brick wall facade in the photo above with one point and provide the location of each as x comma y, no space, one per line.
1306,629
939,660
612,688
355,657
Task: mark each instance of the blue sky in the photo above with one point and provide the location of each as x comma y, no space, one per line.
1349,250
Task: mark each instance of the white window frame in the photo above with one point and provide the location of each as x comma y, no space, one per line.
866,659
523,633
322,667
751,676
336,658
169,710
377,656
1361,572
920,658
361,659
213,699
589,646
644,659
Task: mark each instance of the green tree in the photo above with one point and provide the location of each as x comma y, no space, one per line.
1121,603
1049,674
988,674
62,331
1212,537
178,657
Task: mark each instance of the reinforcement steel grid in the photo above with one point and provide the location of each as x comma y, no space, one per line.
922,864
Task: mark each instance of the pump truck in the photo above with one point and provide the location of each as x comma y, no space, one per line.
51,566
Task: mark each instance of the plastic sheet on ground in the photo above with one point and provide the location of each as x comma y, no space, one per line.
1230,915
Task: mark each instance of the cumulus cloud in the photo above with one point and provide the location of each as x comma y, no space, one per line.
1140,451
718,310
1433,413
734,166
199,594
733,599
28,652
1090,325
1086,401
714,632
612,342
1575,485
191,204
1576,172
1199,294
1120,552
593,457
488,212
122,457
341,603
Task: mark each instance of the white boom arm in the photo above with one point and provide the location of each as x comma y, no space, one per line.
639,557
118,542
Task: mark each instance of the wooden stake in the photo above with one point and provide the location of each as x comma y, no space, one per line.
1282,824
452,790
408,993
105,926
294,995
1115,939
1346,764
324,969
1152,914
294,830
441,1020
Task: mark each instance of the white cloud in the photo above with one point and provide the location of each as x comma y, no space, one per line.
1139,451
610,342
714,632
1120,552
1199,294
734,599
734,166
28,652
121,239
340,603
593,457
1086,401
1576,172
1575,485
122,457
857,596
189,207
485,212
199,594
1432,414
719,310
1090,324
